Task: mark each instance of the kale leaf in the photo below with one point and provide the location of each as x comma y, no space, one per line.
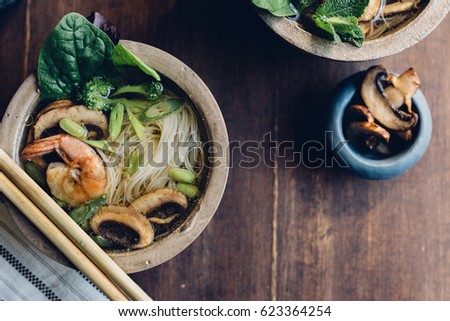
339,20
342,8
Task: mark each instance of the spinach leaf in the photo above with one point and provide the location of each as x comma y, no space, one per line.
124,57
279,8
74,52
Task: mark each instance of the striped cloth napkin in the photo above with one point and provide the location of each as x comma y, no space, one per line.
27,274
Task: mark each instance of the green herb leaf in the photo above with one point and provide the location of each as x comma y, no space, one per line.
74,52
279,8
342,8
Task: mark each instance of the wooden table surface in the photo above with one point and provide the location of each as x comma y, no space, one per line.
280,233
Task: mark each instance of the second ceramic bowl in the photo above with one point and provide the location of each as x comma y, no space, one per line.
393,42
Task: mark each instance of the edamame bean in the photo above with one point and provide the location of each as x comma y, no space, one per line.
72,128
181,175
188,190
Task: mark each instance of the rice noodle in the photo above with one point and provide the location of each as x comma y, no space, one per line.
173,140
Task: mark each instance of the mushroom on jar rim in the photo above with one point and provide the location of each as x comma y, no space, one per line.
407,83
374,96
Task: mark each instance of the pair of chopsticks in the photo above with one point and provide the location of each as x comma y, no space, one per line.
65,234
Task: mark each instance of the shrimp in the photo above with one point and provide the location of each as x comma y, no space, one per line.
82,176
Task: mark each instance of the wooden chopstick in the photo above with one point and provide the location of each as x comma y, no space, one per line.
59,239
63,221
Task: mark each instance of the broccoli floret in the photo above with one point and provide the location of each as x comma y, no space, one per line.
101,94
94,94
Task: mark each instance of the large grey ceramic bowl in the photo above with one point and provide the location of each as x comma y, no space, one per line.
13,134
368,165
394,42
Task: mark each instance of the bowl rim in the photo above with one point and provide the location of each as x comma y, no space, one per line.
208,112
369,168
397,41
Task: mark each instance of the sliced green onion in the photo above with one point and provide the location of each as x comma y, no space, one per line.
100,144
181,175
73,128
137,125
161,108
133,163
116,120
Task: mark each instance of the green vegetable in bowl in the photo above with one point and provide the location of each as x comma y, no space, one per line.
73,128
35,173
100,94
74,52
124,57
116,120
339,19
181,175
77,51
279,8
84,212
161,108
189,190
137,126
334,19
150,90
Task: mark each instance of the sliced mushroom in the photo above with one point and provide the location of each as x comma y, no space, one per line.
56,104
161,221
370,129
407,83
400,7
123,226
80,114
394,96
361,112
406,135
371,10
151,201
373,94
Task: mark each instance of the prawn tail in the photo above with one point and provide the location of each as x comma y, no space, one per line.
41,147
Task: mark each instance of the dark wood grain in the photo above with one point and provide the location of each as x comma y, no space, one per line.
280,233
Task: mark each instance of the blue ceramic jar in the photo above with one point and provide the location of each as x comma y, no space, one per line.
367,164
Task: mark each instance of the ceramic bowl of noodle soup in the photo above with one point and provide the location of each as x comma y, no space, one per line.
175,209
394,27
